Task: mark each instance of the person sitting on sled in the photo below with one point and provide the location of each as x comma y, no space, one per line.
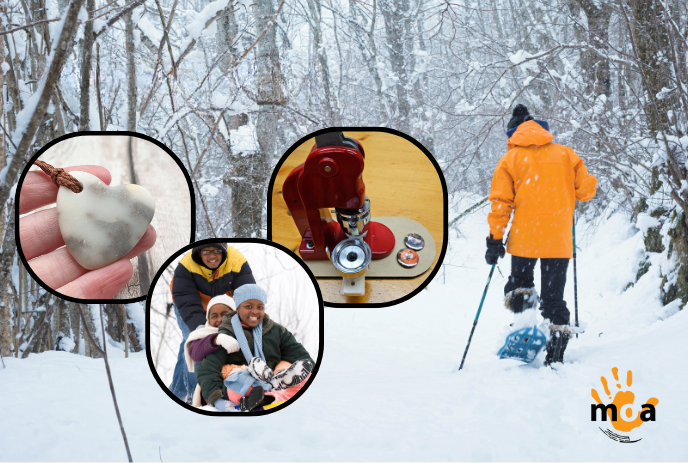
269,366
207,339
540,182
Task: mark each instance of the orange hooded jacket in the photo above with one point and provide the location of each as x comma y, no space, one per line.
540,181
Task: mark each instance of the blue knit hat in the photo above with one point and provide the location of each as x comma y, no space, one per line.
246,292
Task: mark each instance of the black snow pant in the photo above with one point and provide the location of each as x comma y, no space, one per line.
553,272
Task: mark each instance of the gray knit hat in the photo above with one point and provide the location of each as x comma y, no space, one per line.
246,292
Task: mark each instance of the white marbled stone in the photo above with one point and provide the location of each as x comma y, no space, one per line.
102,223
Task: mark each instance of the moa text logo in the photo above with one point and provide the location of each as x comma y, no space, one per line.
624,417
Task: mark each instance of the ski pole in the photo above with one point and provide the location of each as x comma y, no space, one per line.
475,322
575,278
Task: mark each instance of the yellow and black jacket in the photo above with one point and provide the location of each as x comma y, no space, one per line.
194,284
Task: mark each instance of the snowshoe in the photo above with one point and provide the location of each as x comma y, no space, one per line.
251,401
523,344
261,407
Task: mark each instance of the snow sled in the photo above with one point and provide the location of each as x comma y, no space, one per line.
523,345
263,407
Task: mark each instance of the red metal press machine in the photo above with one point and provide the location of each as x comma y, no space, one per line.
331,177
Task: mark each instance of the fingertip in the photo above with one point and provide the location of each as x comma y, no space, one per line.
145,243
149,238
99,171
38,190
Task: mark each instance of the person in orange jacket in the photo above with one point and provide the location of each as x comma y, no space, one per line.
539,181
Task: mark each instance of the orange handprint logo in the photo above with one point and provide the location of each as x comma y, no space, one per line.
622,404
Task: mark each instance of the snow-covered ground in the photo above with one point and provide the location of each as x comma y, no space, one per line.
388,386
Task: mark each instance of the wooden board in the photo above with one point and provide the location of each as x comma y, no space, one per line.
155,170
400,181
389,267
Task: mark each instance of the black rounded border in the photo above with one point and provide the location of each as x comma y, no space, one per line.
55,141
445,197
321,326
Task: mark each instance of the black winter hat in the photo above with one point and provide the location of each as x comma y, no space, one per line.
519,116
196,253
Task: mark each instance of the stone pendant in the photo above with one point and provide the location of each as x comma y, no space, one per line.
102,223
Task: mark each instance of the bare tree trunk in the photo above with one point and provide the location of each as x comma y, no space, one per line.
251,169
103,353
131,72
653,48
24,291
12,90
6,263
497,20
595,67
21,306
227,32
396,18
59,118
41,325
268,65
315,22
86,59
126,330
101,116
62,325
94,351
369,49
681,9
63,46
5,328
76,326
622,76
2,87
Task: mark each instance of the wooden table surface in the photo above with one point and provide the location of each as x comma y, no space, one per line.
156,171
400,181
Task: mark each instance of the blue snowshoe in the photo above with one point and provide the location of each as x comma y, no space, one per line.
524,345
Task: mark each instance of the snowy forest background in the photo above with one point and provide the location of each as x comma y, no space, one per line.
230,85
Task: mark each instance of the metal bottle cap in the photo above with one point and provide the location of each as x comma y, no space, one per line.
414,241
351,257
407,258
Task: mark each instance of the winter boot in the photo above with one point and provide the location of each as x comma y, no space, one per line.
521,299
293,375
556,345
260,370
251,401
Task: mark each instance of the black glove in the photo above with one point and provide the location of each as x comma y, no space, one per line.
495,250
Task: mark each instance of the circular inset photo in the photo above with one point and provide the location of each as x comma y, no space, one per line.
99,214
346,201
234,326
